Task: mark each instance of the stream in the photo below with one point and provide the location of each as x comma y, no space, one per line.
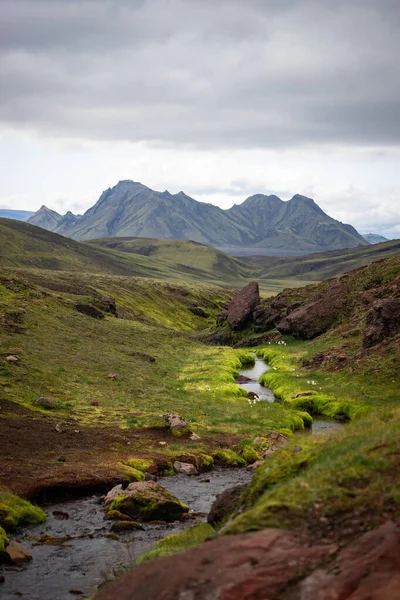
320,424
92,555
78,566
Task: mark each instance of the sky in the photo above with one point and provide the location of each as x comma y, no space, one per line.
219,99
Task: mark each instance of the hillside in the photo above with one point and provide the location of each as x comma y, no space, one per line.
375,238
131,209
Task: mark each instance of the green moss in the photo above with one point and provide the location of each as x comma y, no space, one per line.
15,511
250,455
181,433
246,358
126,526
140,464
4,541
147,506
228,458
179,542
134,474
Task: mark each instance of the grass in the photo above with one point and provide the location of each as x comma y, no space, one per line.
15,511
180,542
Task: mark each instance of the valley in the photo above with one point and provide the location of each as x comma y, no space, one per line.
101,339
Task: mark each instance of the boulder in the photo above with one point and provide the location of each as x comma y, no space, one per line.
251,566
254,465
175,421
310,319
89,310
146,501
383,322
18,553
12,359
242,379
45,402
225,504
242,305
107,304
185,468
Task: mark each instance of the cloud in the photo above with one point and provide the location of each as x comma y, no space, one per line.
228,74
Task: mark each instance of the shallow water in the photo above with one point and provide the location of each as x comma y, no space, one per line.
90,557
254,373
320,424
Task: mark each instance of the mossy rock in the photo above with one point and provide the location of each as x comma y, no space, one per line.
4,541
182,432
140,464
116,515
134,474
228,458
250,455
126,526
147,501
15,511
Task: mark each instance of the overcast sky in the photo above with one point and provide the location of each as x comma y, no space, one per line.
219,99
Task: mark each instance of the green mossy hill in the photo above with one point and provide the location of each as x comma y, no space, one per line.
15,511
179,542
317,480
155,318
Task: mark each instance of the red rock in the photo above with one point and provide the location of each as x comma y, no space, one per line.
94,403
241,308
152,469
383,321
251,566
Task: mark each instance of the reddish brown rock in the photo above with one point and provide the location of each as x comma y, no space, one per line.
225,504
251,566
383,321
241,308
311,319
368,569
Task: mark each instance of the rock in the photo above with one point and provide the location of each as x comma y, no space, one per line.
383,322
145,500
60,515
58,428
107,304
45,403
199,312
242,305
89,310
330,358
303,394
185,468
265,318
254,465
252,566
195,437
225,504
149,477
162,443
175,421
218,338
252,395
143,356
61,459
94,403
152,469
221,317
12,359
311,319
126,526
113,376
243,379
18,553
259,440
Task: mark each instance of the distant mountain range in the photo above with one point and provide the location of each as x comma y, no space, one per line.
375,238
18,215
131,209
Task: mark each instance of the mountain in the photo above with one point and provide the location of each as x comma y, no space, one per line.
131,209
374,238
18,215
46,218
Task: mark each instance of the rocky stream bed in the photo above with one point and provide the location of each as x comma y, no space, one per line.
75,552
